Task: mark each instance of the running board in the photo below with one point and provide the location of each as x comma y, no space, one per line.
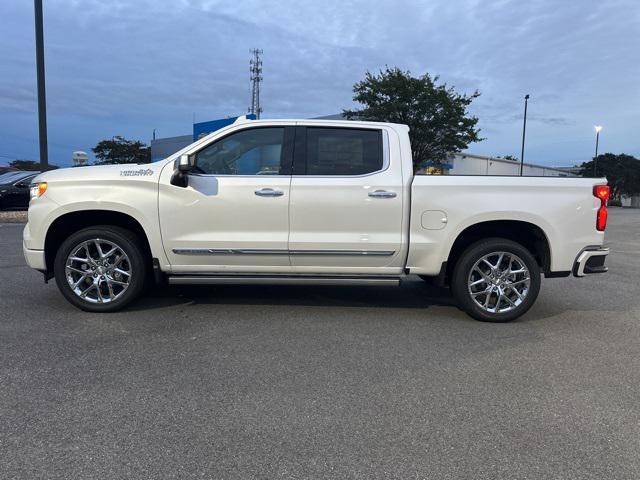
280,280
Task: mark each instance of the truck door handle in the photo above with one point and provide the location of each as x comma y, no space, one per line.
382,194
269,192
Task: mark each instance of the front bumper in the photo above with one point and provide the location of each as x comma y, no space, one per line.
35,258
591,260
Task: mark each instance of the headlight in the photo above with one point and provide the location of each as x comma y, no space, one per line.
37,189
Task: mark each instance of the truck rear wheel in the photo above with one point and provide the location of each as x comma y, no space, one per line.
496,280
101,268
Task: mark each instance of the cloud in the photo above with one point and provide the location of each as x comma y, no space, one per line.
129,66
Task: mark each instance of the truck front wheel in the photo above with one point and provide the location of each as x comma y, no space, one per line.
101,268
495,280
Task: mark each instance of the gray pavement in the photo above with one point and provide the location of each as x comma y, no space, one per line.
308,382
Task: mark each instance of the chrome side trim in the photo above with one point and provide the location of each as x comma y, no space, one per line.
376,253
257,251
279,280
227,251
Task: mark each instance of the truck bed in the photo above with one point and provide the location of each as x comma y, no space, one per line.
443,206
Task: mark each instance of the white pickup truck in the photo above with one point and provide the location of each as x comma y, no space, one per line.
310,202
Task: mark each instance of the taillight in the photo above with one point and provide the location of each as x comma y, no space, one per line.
602,192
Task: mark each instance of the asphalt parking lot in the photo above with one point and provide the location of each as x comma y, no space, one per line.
308,382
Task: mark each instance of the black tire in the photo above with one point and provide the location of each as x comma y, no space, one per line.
461,279
128,242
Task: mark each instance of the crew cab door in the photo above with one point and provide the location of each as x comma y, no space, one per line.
346,209
234,214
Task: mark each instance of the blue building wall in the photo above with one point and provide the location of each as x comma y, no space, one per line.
205,128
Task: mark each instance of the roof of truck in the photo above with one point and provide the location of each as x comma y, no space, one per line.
317,121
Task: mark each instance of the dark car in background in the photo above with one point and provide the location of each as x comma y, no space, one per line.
5,169
14,190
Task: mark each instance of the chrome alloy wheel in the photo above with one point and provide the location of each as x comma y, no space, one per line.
98,271
499,282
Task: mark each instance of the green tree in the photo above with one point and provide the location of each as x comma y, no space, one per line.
437,115
622,172
29,165
121,150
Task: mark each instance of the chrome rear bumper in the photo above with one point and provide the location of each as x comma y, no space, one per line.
591,260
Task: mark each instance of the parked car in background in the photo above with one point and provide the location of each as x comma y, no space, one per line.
5,176
14,190
5,169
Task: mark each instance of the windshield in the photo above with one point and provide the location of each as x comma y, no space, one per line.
23,178
11,177
7,175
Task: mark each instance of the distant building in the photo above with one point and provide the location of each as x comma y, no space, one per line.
628,201
575,170
335,116
470,164
80,159
165,147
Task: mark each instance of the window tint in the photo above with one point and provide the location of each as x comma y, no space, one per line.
12,177
6,176
24,180
249,152
343,151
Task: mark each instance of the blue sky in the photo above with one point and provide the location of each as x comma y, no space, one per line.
125,67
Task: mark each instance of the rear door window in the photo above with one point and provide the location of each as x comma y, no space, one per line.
342,151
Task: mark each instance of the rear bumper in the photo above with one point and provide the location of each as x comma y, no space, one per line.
590,260
35,258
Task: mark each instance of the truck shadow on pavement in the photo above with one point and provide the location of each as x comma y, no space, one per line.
412,294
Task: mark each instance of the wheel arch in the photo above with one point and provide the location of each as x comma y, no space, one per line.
527,234
71,222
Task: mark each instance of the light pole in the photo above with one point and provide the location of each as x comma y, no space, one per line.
42,101
595,159
524,131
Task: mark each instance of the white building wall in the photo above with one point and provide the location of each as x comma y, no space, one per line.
467,164
80,159
633,202
503,168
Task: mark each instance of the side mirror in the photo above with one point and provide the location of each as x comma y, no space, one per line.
185,163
